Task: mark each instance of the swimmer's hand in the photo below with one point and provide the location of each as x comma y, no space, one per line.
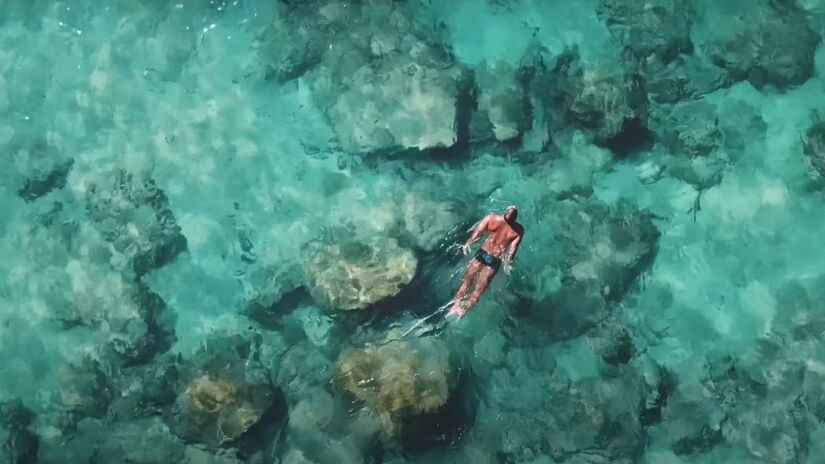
465,249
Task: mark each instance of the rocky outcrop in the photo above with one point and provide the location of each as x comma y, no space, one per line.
223,391
689,129
18,444
609,103
601,99
688,77
700,140
272,290
36,168
386,82
215,410
425,221
587,420
503,107
347,273
657,27
398,106
132,213
399,380
766,43
813,144
591,257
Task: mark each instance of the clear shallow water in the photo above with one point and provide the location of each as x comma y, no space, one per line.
221,219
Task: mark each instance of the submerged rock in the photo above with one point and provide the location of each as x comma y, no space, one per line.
18,444
133,213
766,43
37,168
591,257
589,420
613,343
688,129
398,106
85,390
752,402
271,287
687,77
290,46
597,415
813,145
303,368
399,380
502,103
601,99
143,441
692,421
349,274
216,410
426,221
386,82
223,391
610,103
324,430
660,27
137,340
145,389
702,141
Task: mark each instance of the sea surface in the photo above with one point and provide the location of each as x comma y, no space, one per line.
230,231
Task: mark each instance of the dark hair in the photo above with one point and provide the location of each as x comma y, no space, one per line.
513,212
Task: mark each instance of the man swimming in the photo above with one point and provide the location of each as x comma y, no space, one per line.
502,231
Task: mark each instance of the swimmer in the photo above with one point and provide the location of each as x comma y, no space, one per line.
502,232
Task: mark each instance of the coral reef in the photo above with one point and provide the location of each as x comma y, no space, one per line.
230,231
685,78
658,27
133,214
601,98
37,167
349,274
592,257
594,419
270,286
503,108
399,380
766,43
18,444
390,87
222,393
218,411
426,219
608,104
689,129
410,107
814,146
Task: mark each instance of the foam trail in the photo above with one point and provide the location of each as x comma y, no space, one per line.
440,310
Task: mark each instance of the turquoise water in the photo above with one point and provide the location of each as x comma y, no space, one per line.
230,230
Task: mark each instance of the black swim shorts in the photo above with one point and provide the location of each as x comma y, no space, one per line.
487,259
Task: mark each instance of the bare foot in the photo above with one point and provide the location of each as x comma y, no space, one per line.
457,312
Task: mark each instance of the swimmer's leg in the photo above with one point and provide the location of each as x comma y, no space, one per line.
485,276
472,271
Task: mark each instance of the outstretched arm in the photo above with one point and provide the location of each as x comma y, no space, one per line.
513,249
480,228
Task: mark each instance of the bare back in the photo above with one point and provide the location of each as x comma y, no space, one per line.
500,234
